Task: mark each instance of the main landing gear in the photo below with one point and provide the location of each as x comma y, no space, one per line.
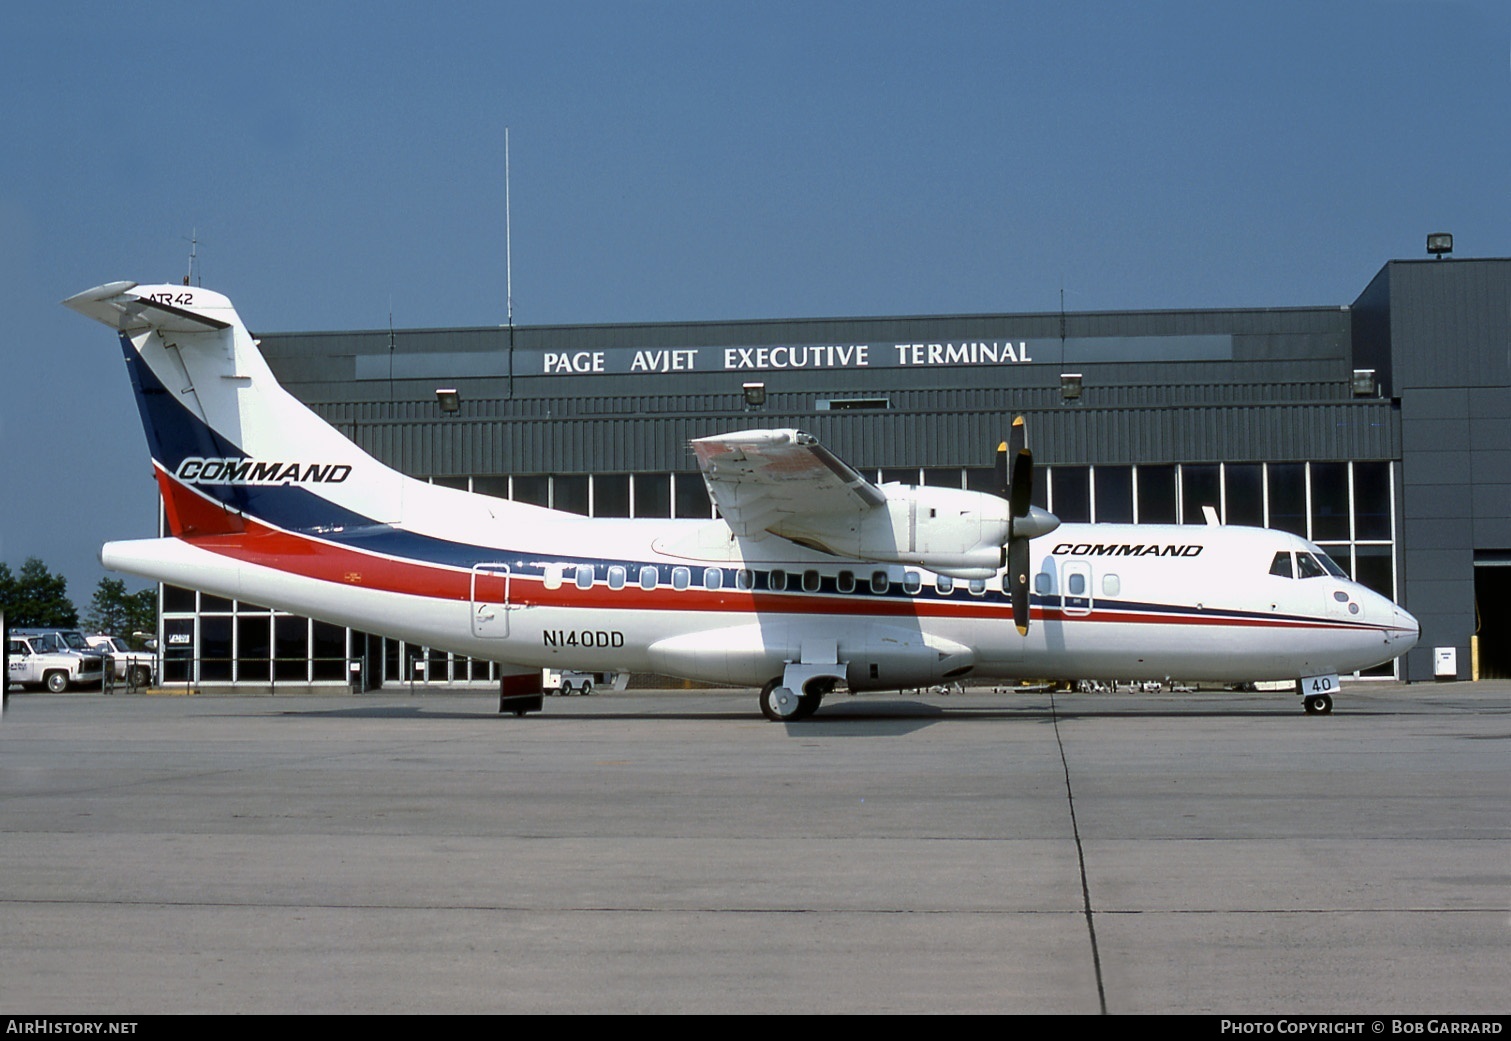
781,704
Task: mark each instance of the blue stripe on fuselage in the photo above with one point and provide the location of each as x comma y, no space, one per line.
175,433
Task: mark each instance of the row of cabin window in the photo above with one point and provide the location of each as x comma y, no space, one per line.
746,580
810,581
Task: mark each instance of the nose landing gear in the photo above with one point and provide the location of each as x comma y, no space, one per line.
1318,704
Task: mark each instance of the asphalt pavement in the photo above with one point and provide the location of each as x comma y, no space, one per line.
673,852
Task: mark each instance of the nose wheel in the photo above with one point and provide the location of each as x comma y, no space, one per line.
1319,704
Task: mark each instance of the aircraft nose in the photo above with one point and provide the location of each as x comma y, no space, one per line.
1405,631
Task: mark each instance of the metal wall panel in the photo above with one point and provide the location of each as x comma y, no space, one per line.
1440,332
1065,435
1451,323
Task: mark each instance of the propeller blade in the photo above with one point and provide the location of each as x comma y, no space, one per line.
1018,565
1020,488
1026,521
1022,492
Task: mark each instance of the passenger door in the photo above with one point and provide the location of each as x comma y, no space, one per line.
490,600
1075,587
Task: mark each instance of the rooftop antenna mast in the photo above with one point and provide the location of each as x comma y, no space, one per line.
508,245
1062,324
508,264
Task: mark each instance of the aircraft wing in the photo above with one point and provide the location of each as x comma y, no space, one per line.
761,479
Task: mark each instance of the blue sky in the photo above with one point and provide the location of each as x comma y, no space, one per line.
700,161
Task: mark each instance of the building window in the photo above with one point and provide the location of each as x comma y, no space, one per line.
291,649
611,495
1156,494
1286,496
653,495
1372,500
534,489
1330,502
1200,486
692,496
1113,486
569,492
1243,494
1070,493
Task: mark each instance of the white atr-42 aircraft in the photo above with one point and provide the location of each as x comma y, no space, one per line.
814,576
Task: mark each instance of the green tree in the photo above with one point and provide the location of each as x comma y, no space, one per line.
36,597
115,611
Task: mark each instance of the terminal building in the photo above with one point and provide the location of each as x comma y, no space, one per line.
1380,429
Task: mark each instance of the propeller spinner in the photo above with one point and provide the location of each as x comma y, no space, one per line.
1028,521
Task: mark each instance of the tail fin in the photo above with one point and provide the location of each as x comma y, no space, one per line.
227,441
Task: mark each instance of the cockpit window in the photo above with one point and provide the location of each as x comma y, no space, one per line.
1332,566
1281,565
1309,567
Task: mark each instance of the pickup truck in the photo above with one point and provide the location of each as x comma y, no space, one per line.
44,659
124,663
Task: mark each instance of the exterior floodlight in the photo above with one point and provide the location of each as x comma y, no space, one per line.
1070,385
1364,383
449,400
755,395
1440,243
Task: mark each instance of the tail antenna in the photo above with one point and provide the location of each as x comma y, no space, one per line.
192,275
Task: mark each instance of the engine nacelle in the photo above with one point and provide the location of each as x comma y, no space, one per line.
947,530
893,658
735,654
